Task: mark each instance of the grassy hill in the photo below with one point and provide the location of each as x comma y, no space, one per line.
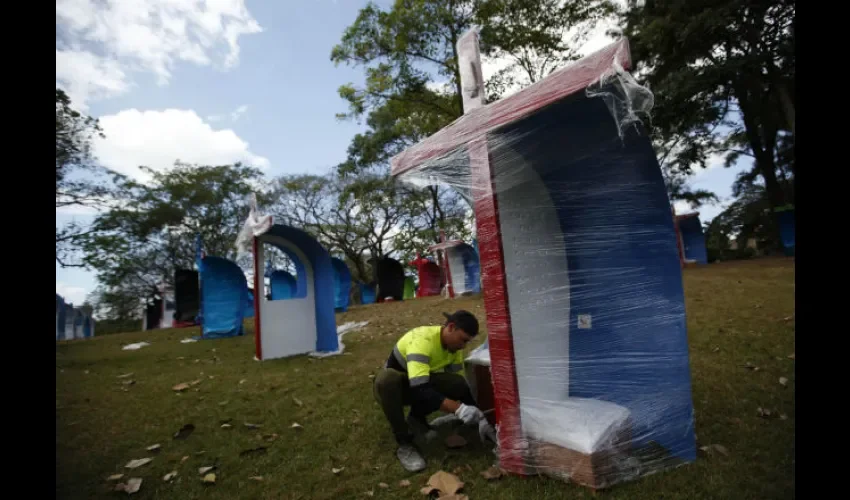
739,314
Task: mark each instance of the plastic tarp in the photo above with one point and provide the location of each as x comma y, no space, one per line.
787,230
249,304
367,293
580,270
693,238
224,294
389,275
430,280
342,284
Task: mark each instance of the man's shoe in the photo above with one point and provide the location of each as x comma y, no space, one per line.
410,458
421,427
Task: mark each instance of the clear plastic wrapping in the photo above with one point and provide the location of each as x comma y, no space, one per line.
587,342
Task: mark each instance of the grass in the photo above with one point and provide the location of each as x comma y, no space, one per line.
738,313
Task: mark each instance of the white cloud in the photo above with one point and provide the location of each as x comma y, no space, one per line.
238,112
149,36
72,294
157,138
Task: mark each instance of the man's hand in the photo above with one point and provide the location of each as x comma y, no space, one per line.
469,414
486,431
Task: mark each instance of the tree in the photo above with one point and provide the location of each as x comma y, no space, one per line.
723,77
412,88
79,180
138,244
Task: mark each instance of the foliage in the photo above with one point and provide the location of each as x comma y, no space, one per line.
723,76
139,243
80,182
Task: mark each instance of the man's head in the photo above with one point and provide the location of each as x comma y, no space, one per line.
460,328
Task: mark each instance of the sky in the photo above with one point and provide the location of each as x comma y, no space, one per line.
220,81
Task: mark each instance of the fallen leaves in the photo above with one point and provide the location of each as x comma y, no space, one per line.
209,478
750,366
154,447
455,441
404,483
132,486
243,381
764,412
126,375
337,471
260,450
783,381
712,448
256,478
792,355
181,387
443,483
252,426
492,473
129,382
296,425
297,401
184,431
383,485
133,464
204,470
115,477
168,477
226,426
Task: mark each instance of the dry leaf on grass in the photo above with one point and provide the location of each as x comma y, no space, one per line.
296,425
252,426
783,417
297,401
719,448
256,478
783,381
184,431
209,478
129,382
764,412
383,485
132,486
261,450
184,459
168,477
226,426
337,471
115,477
195,382
243,381
369,493
792,355
404,483
181,387
126,375
132,464
223,403
444,483
270,438
750,366
204,470
154,447
492,473
455,441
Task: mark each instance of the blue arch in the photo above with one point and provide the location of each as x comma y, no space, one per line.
284,285
87,321
342,284
367,293
787,230
224,292
323,281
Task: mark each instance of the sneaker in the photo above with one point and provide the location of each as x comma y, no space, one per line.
421,427
410,458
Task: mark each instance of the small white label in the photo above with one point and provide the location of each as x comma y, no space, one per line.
584,322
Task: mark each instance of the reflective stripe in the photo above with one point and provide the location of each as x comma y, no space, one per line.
454,368
422,358
399,357
417,381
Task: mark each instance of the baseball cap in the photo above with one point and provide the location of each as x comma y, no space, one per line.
464,320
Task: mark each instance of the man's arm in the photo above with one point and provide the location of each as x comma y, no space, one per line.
419,374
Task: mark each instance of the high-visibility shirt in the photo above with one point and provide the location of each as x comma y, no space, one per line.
420,353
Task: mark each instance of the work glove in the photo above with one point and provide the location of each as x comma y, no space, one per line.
486,431
469,414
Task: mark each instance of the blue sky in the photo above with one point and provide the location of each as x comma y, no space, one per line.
217,82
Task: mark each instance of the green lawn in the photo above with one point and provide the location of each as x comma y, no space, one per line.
738,313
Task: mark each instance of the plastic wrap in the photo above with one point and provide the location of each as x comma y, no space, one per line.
224,292
587,342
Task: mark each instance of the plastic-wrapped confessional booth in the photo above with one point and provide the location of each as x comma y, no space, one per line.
304,322
693,238
462,267
580,269
389,278
60,317
787,229
430,280
342,284
224,295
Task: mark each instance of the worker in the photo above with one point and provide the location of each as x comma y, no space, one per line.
425,371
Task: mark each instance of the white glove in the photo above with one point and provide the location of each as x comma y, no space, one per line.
469,414
486,431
